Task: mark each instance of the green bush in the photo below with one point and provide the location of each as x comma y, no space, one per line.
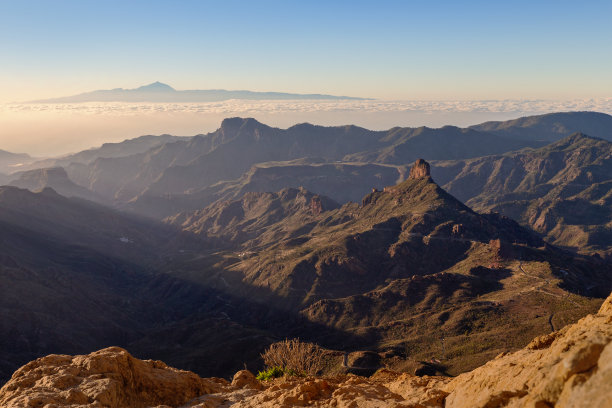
270,373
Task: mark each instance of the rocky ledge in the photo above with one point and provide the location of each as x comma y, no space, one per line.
571,367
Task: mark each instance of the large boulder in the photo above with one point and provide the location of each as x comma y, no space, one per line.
107,378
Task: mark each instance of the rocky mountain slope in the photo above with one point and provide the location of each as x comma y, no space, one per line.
562,190
73,221
341,182
161,176
567,368
241,143
77,276
407,273
552,126
251,218
408,265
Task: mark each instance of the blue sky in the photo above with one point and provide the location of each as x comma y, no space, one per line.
381,49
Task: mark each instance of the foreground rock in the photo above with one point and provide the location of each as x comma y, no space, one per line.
568,368
107,378
571,367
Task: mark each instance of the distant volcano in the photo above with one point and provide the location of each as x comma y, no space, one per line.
160,92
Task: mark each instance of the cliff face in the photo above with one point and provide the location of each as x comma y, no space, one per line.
571,367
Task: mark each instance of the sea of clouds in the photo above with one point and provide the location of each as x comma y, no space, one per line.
233,107
54,129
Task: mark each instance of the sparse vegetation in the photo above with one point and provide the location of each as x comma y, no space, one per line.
270,373
292,357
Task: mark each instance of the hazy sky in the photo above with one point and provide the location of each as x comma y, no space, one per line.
383,49
471,55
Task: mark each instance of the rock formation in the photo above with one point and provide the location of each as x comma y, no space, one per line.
420,169
316,207
571,367
501,249
107,378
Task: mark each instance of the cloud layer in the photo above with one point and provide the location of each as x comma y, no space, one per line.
52,129
239,107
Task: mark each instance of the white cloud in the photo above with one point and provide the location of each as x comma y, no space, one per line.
240,107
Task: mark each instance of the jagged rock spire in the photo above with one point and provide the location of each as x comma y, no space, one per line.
420,169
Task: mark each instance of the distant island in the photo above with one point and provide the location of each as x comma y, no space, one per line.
159,92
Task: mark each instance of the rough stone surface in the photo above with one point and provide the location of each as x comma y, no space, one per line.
420,169
316,207
246,379
568,368
572,368
107,378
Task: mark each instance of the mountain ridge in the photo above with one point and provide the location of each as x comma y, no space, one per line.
552,126
561,190
411,244
414,246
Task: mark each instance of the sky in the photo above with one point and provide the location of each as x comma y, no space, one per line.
388,50
383,49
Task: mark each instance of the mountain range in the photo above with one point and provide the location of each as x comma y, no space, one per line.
159,92
407,264
201,251
162,176
562,190
552,126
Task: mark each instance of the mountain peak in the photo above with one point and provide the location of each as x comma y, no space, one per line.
156,87
575,140
233,125
577,137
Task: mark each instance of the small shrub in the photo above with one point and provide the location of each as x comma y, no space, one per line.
294,357
270,373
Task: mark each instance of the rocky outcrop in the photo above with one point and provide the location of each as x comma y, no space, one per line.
316,207
568,368
420,169
501,249
107,378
